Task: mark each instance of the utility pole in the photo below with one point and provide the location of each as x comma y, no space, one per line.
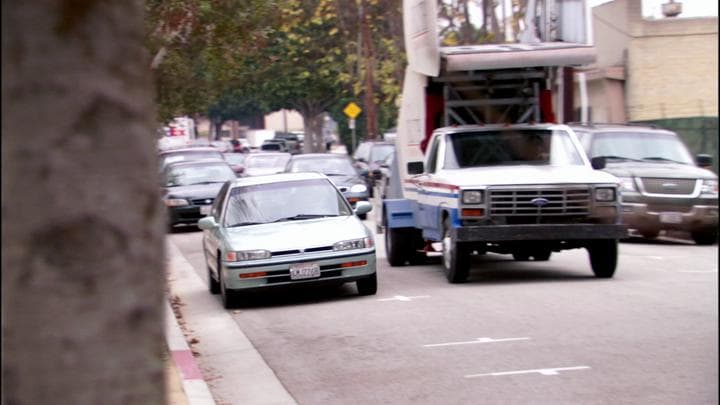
369,54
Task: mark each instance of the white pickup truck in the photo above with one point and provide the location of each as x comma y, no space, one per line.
525,189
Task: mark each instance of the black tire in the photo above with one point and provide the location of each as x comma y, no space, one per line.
396,246
227,295
541,255
521,256
213,285
603,257
456,257
367,285
705,237
651,234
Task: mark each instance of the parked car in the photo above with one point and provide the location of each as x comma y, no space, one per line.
274,145
291,141
289,229
236,161
368,156
339,169
261,163
190,188
188,153
663,189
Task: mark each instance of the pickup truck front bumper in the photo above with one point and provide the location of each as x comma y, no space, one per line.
557,232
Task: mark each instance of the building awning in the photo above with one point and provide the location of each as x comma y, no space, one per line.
506,56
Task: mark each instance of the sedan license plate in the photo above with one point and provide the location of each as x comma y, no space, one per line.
671,217
205,209
304,270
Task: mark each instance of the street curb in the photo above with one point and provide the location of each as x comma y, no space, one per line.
193,384
238,372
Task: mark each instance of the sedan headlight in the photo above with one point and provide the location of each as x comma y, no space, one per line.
245,255
175,202
353,244
627,184
472,197
605,194
710,187
358,188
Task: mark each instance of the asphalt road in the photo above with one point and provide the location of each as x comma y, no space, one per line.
516,333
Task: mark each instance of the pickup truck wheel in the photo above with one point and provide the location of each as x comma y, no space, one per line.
456,258
705,237
603,257
395,246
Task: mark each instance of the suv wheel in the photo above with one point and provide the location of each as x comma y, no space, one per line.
705,237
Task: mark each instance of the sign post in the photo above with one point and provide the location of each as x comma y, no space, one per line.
352,111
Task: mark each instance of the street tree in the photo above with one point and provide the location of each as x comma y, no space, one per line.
82,223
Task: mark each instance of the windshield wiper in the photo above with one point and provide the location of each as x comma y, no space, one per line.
244,224
304,216
662,159
612,157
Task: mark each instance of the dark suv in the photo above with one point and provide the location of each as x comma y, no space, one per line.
662,187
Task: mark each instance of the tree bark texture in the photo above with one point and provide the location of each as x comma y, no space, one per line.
82,223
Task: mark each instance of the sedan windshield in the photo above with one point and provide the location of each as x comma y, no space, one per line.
380,152
511,146
640,146
266,161
330,166
284,201
188,175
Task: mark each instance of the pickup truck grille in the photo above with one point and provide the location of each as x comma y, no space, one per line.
668,186
529,202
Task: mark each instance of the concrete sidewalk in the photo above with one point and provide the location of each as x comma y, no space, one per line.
207,347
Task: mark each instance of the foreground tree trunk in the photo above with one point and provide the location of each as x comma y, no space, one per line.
82,225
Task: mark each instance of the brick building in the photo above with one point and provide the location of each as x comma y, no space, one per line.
662,71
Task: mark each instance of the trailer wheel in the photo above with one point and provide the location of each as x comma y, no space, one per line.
456,257
603,257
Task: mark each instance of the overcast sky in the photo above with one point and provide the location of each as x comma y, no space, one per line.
691,8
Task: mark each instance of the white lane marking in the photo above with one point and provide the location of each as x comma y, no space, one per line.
542,371
403,298
478,340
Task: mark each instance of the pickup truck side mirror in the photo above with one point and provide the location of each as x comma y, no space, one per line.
598,162
704,160
415,167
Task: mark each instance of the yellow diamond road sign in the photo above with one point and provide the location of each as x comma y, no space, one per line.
352,110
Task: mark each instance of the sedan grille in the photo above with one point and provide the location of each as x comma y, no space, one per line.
539,202
668,186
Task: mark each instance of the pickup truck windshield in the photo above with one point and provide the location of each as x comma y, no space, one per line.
511,147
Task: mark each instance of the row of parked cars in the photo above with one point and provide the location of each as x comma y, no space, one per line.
282,219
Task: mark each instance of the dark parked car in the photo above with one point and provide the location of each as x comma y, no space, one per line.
338,168
189,153
190,188
274,145
663,189
368,157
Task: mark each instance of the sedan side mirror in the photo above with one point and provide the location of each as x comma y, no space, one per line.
704,160
207,223
362,207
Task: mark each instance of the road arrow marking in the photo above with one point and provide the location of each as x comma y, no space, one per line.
478,340
403,298
542,371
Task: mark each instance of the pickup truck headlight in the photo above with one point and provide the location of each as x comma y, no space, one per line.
710,187
627,184
472,197
605,194
175,202
245,255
